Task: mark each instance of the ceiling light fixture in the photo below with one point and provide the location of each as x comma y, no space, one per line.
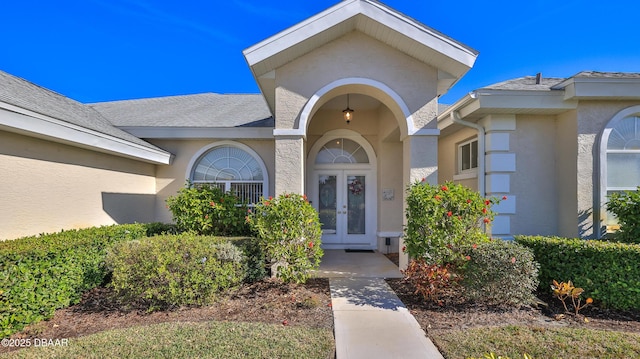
348,112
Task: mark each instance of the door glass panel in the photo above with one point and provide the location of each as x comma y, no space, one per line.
327,186
356,204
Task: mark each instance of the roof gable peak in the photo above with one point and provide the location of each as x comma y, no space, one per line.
452,58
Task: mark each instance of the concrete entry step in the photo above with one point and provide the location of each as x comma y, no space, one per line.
371,322
338,263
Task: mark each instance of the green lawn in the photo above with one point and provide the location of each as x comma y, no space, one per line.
195,340
539,343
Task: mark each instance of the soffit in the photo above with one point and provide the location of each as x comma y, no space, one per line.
479,104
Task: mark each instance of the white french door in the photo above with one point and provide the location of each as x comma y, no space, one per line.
345,200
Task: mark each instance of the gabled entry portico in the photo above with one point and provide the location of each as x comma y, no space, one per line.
393,68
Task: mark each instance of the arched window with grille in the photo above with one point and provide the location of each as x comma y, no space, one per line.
342,150
232,167
620,158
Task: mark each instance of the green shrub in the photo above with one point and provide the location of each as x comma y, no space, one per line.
626,207
254,256
156,228
608,271
289,231
207,210
430,280
40,274
443,219
174,270
500,272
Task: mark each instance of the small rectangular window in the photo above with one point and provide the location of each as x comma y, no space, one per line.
468,156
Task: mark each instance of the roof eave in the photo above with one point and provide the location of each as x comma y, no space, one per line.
480,103
165,132
579,88
14,119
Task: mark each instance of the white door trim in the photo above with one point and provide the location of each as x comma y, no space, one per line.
369,170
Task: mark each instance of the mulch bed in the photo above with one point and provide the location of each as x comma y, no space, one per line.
309,305
267,301
458,314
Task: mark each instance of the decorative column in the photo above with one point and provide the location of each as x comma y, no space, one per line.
500,164
289,162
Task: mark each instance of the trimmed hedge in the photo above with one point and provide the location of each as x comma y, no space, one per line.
175,270
40,274
609,272
501,273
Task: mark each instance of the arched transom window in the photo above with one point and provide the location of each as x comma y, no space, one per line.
342,150
622,153
232,169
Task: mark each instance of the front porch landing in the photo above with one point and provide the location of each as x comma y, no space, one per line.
337,263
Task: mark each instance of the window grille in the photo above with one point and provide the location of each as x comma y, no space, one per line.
231,169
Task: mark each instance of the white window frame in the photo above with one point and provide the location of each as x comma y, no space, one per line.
227,184
459,153
606,224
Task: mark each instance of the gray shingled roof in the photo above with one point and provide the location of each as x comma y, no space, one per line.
611,75
201,110
27,95
527,83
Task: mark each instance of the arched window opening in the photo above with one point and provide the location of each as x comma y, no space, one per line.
231,169
342,150
622,160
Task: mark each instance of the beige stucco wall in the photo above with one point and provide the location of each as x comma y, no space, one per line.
535,181
391,212
566,174
50,186
356,55
365,123
377,66
448,157
169,179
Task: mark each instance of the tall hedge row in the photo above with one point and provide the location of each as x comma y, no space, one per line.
40,274
609,272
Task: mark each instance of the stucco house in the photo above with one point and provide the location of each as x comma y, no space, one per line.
554,146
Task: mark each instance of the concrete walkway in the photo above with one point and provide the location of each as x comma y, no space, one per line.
370,321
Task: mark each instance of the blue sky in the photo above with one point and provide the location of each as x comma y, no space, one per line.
103,50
